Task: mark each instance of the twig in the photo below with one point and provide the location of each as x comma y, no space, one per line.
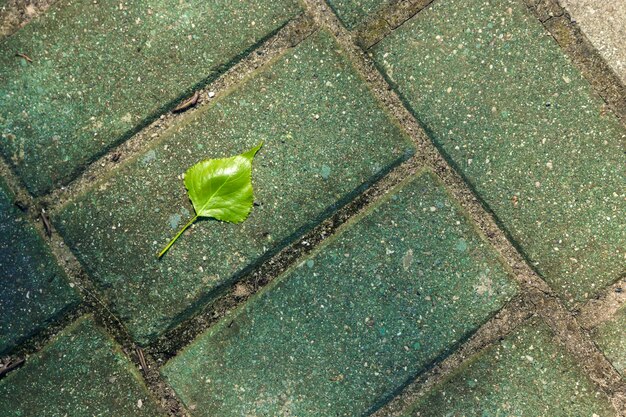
142,359
46,222
187,103
11,366
26,57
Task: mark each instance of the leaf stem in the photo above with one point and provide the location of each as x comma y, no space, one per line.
177,236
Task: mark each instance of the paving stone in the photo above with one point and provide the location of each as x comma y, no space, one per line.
325,139
34,288
339,334
82,372
354,12
527,374
496,94
101,70
611,338
604,23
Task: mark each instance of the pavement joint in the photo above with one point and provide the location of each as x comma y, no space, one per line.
511,316
582,53
547,305
536,297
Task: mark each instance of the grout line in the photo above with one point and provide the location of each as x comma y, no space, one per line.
582,53
92,303
581,347
428,155
16,14
288,36
533,286
511,316
603,308
383,22
534,290
237,294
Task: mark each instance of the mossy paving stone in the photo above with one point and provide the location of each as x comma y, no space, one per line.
34,288
354,12
325,138
103,69
497,95
611,339
397,289
527,374
82,372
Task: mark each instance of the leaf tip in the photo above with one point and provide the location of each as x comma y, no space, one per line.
250,154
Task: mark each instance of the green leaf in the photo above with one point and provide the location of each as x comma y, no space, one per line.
221,189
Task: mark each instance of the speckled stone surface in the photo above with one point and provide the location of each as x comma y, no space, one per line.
325,137
353,12
82,372
103,69
498,96
604,23
395,290
527,374
34,288
611,339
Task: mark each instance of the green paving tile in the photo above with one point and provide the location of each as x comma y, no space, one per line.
325,137
82,372
527,374
340,333
34,288
103,69
497,95
611,338
353,12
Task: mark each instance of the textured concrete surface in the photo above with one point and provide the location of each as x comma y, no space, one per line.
354,12
325,137
344,330
497,95
34,288
611,338
352,311
80,373
604,23
527,374
103,69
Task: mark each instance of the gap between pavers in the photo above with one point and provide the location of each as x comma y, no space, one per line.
538,150
394,290
35,290
527,373
81,372
101,71
321,124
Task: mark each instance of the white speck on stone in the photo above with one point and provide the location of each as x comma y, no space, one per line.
211,94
